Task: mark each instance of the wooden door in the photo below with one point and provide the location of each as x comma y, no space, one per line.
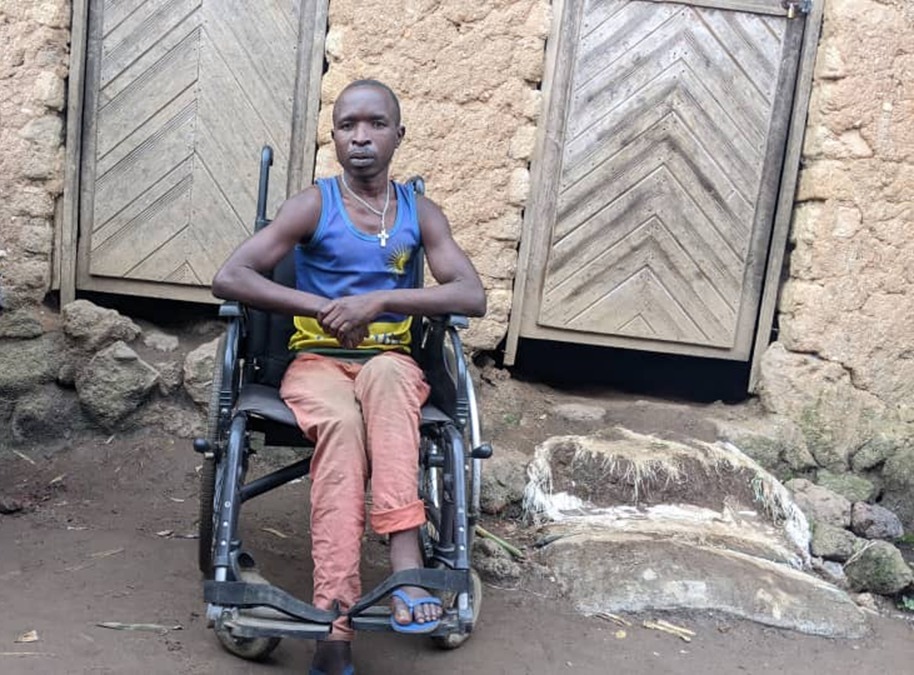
180,95
658,174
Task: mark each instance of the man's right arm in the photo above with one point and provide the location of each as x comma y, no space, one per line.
241,276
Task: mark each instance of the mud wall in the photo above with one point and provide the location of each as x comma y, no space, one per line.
843,365
467,74
33,68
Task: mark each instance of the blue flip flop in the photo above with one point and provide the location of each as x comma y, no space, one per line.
349,670
414,627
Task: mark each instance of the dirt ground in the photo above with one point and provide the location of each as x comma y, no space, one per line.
105,536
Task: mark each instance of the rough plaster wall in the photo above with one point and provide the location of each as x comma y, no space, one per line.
467,74
849,301
33,65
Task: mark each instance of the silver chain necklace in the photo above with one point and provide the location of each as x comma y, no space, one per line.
382,233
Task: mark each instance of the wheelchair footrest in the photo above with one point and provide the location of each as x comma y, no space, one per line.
244,595
245,624
447,580
377,619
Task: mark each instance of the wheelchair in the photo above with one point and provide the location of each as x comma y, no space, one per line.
249,615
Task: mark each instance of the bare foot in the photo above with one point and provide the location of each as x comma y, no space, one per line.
405,555
332,657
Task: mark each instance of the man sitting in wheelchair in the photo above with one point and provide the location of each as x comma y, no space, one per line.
353,387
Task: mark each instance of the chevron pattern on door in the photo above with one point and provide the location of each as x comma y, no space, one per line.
665,144
185,92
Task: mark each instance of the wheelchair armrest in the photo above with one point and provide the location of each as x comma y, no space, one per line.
231,310
459,321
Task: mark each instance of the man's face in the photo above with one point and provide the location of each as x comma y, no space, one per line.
365,130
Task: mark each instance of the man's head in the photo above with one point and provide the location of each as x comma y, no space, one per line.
366,127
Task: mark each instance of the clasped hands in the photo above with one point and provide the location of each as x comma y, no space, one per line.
347,318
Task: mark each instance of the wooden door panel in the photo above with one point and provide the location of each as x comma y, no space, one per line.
661,209
181,96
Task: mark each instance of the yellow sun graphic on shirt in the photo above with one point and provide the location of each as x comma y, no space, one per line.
398,260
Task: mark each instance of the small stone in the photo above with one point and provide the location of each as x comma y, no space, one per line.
46,415
198,371
66,376
879,568
579,412
160,341
867,601
8,505
503,481
493,563
875,522
171,376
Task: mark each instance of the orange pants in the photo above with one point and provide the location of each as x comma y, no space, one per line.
363,418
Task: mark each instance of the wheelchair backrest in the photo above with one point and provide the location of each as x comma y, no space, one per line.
268,353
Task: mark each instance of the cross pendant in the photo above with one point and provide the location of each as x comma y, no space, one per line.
382,237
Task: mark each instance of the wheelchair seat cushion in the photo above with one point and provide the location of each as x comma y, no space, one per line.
263,401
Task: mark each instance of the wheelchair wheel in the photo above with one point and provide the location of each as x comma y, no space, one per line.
208,472
454,640
251,649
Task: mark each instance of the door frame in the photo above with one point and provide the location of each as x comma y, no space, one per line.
67,273
557,69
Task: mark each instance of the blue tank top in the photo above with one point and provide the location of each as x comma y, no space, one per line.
340,260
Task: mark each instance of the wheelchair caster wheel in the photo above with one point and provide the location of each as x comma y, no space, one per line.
252,649
454,640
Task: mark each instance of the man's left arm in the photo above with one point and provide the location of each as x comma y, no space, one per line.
459,289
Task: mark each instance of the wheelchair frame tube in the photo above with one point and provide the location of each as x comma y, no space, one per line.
229,505
475,440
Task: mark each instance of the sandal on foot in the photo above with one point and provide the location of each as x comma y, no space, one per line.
413,626
348,670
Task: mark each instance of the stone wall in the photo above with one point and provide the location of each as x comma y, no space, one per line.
844,364
33,68
467,74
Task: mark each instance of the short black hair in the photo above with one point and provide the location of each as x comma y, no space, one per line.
355,84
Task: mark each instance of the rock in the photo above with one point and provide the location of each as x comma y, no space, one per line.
879,568
493,563
853,488
504,478
774,442
25,364
8,505
21,323
832,572
114,383
898,490
818,395
198,371
66,376
875,522
834,543
47,414
95,327
620,572
866,600
820,504
171,376
700,494
874,452
160,341
579,412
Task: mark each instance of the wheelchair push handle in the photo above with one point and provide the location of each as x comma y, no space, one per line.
263,187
